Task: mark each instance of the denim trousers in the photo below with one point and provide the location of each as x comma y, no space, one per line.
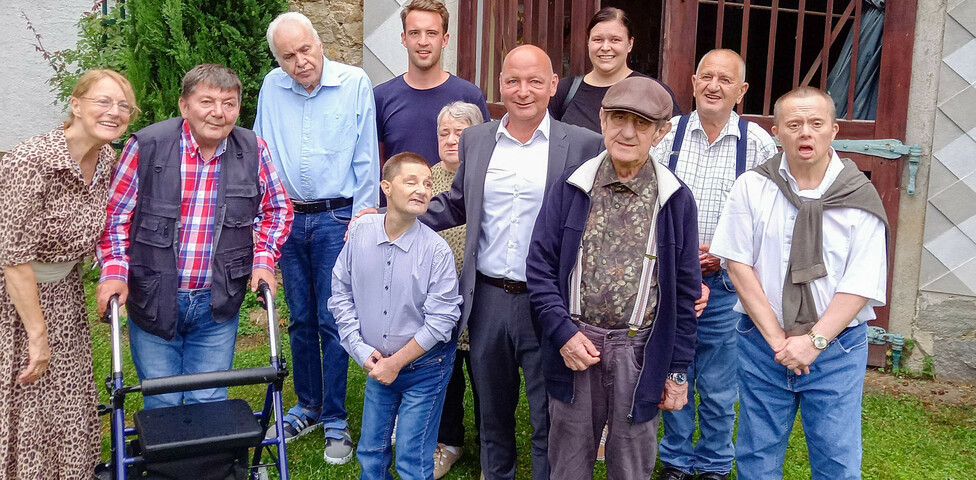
415,399
200,345
713,374
829,399
318,361
603,394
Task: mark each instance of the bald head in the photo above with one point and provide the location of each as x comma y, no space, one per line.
719,85
526,83
528,54
725,55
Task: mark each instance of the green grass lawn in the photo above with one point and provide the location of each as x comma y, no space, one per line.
903,439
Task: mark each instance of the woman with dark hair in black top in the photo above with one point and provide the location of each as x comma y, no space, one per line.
609,39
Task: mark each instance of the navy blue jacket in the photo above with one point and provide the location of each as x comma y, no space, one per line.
552,255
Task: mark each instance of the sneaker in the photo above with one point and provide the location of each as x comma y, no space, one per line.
338,446
297,422
444,458
601,451
396,419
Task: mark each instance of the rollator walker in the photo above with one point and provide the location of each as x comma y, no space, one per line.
204,441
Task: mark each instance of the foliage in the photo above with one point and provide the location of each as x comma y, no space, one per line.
155,42
100,45
168,37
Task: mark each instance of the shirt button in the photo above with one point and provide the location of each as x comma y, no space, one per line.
515,220
387,262
516,195
387,287
384,312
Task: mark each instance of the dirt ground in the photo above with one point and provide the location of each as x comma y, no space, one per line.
930,392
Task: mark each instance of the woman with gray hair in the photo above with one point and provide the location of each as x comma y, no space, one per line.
451,121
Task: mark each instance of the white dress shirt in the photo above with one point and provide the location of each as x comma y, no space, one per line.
756,229
514,187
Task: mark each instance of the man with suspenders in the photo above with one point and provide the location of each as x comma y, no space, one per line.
708,149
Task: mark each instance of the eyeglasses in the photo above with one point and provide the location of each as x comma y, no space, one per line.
105,103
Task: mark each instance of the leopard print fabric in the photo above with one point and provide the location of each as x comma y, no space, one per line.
442,179
49,428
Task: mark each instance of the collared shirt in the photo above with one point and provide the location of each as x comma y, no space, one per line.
514,187
709,169
199,178
386,292
323,143
756,229
614,245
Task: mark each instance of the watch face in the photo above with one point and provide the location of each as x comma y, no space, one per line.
820,342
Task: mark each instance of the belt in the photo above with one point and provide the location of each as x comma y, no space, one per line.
510,286
321,205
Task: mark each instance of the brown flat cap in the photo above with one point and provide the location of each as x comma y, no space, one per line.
641,96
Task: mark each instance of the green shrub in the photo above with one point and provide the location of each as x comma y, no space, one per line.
155,42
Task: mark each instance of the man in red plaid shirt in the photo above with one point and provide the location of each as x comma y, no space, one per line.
196,209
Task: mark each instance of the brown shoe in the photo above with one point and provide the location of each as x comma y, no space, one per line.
444,460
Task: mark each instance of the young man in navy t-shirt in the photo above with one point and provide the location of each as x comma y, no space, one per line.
407,105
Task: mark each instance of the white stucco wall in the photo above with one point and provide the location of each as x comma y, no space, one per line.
25,98
384,57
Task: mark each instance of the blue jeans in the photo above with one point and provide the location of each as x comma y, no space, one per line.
829,397
200,345
318,361
713,374
417,397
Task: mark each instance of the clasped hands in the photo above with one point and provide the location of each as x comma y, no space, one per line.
382,369
796,353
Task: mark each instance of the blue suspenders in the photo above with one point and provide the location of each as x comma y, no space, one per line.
740,145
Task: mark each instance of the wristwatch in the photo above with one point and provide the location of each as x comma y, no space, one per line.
819,340
679,378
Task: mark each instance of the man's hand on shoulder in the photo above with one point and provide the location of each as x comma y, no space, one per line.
365,211
105,290
579,352
674,397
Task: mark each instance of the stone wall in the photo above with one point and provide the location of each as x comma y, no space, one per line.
944,326
339,23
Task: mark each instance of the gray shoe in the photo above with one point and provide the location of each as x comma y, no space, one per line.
338,450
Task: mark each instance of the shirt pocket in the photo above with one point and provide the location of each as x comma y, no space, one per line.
339,132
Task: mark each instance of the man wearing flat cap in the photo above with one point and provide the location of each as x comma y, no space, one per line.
613,276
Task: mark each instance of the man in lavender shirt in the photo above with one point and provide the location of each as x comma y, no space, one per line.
396,304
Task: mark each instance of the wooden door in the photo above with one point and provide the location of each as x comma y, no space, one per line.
788,43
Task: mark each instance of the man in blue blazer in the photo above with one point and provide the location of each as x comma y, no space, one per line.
507,167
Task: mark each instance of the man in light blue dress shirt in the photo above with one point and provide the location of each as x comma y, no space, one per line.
319,120
395,300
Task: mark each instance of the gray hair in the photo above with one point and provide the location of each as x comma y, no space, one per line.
217,76
290,16
463,111
742,62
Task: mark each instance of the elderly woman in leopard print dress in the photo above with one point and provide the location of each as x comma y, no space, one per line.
54,191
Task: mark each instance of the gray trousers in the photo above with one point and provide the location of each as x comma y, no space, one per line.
502,340
603,395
